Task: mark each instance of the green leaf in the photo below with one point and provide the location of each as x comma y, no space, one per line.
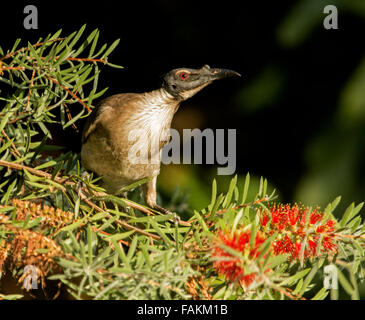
74,119
6,145
344,282
161,233
294,278
115,65
95,41
46,165
132,248
120,236
86,43
121,253
332,206
232,185
77,36
253,234
135,184
214,194
10,296
99,216
72,226
321,294
8,192
298,286
201,221
245,188
4,120
236,220
275,261
110,49
309,278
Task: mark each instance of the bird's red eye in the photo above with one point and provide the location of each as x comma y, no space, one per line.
184,75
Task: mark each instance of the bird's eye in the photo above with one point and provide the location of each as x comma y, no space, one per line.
184,75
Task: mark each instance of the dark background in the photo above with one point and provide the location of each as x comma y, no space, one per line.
299,107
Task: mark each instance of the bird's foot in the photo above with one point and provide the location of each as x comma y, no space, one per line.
80,185
175,217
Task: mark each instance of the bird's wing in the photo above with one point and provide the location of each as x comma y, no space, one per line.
111,104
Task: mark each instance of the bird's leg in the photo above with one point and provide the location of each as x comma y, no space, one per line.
150,195
80,186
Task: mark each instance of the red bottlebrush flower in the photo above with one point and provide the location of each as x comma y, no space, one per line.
297,249
312,247
264,219
314,217
282,246
231,266
293,226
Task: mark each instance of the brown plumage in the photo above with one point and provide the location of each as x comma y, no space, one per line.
137,121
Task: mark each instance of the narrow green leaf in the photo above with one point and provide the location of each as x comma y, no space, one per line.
93,45
72,226
6,145
232,185
10,189
86,43
132,248
111,48
344,282
46,165
121,254
77,36
214,194
321,294
4,120
74,119
294,278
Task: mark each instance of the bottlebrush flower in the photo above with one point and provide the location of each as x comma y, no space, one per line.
296,229
230,266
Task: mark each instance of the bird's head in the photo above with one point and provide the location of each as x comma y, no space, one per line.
183,83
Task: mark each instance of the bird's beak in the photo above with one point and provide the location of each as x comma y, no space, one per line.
217,74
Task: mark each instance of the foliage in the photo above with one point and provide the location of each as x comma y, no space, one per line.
103,247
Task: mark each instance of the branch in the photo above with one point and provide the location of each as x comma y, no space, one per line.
38,44
40,173
83,197
70,92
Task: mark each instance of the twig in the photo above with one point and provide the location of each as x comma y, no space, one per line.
243,205
145,210
288,294
86,59
12,144
108,234
30,89
235,207
122,223
38,44
69,116
70,92
349,236
39,173
2,69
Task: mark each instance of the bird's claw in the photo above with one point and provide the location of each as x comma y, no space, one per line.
80,185
175,218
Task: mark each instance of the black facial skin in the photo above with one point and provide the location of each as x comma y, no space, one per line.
186,79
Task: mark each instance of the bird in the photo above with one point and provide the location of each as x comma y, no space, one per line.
106,137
